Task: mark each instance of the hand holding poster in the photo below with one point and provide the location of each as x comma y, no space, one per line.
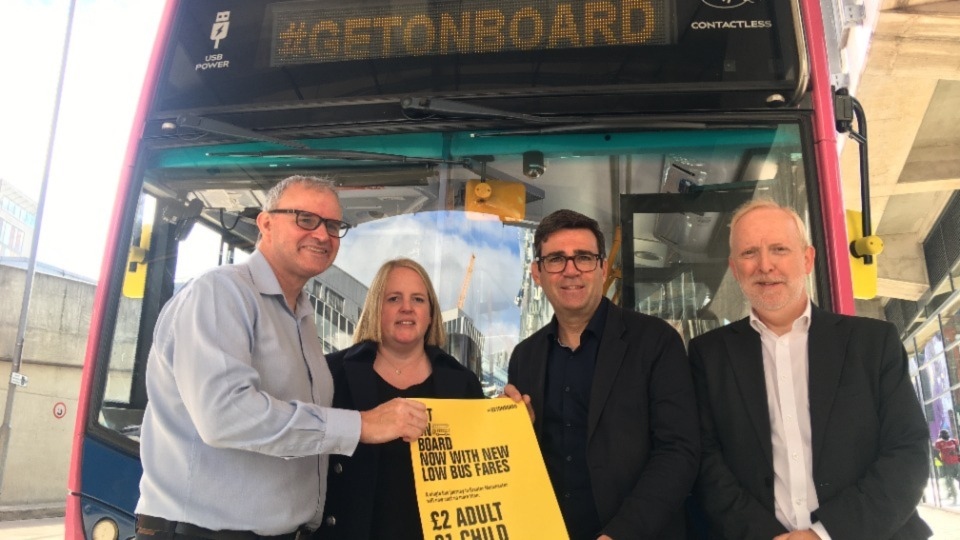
480,476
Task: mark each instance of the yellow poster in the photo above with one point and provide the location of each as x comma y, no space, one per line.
480,476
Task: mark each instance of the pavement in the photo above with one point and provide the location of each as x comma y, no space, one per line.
32,529
944,522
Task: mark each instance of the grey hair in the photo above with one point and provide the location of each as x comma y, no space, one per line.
756,204
309,182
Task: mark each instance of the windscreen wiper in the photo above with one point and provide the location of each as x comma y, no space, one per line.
445,107
208,125
586,128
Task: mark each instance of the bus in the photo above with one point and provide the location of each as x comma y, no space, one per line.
449,129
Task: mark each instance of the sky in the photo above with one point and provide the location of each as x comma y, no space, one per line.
109,51
492,285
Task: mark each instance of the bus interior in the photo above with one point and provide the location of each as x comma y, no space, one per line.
464,204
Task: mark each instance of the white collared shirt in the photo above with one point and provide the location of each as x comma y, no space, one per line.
785,372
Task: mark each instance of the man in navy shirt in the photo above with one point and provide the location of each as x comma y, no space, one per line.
612,396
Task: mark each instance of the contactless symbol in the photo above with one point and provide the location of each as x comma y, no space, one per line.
220,28
726,4
59,410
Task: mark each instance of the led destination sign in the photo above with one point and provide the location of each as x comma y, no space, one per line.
306,34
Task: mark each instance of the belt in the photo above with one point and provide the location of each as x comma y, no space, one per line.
150,525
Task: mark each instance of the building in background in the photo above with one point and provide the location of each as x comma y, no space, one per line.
337,299
930,330
464,341
18,216
42,426
899,59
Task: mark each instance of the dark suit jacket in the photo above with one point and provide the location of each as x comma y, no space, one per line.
643,443
869,438
352,480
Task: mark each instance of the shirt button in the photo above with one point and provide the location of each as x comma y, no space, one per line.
569,458
568,424
338,468
330,520
566,495
566,388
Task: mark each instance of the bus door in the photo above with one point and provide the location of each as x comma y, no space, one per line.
675,237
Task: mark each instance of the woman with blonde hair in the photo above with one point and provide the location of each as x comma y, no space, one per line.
396,353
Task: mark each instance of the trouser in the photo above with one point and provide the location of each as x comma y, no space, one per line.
951,474
154,528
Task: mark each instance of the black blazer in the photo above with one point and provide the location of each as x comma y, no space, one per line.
352,480
643,441
869,437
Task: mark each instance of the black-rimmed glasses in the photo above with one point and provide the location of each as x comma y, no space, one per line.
584,262
309,221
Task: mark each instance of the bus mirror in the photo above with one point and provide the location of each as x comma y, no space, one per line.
868,245
135,277
863,275
501,198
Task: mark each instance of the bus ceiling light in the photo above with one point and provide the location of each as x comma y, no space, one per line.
776,100
646,256
168,127
533,166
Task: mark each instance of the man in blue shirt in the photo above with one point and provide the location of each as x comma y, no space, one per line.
611,392
238,428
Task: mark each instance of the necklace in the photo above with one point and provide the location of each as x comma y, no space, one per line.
394,367
396,370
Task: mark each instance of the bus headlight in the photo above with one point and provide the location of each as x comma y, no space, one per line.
106,529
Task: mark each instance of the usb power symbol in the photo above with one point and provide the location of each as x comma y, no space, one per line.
220,28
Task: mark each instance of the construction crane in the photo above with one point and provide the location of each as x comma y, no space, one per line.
466,282
615,270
